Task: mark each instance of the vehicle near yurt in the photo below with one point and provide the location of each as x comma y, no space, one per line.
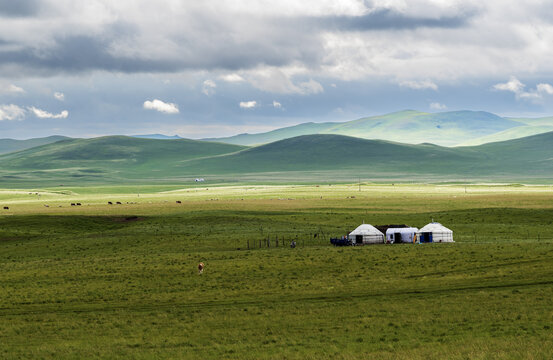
434,232
366,234
401,235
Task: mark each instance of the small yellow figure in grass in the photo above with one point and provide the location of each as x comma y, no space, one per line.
201,268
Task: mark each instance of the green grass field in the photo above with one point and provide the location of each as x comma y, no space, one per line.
121,281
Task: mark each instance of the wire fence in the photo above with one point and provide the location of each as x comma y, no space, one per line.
276,241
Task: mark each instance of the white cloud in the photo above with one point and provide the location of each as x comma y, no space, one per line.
46,115
529,95
232,78
517,87
208,87
59,96
545,88
11,89
163,107
11,112
248,104
277,105
280,81
437,106
513,85
310,87
419,85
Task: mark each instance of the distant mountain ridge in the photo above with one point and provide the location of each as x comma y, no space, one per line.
158,136
451,128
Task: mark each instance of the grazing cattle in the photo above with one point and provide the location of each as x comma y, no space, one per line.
72,204
179,202
78,204
6,208
201,268
118,203
110,203
46,205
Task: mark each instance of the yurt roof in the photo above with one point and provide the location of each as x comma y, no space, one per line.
366,229
435,227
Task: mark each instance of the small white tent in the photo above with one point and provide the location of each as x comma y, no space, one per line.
435,232
400,235
366,234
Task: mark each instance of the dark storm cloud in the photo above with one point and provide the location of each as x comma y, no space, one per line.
18,8
387,19
84,53
79,54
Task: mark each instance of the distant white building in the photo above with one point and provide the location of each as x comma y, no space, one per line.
434,232
401,235
366,234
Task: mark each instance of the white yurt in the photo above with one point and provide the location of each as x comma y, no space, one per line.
401,235
434,232
366,234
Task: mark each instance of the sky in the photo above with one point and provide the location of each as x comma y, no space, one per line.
217,68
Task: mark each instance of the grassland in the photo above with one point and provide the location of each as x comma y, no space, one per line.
120,281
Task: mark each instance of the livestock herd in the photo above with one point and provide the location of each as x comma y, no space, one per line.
109,203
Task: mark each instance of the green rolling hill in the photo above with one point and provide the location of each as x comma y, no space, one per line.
336,152
11,145
409,126
119,159
106,159
278,134
543,121
509,134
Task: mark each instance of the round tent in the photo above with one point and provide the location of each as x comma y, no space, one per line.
435,232
401,235
366,234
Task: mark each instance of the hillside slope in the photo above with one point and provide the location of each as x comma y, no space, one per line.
11,145
520,158
107,158
278,134
509,134
335,152
409,126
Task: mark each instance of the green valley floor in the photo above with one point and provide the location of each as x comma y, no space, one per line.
120,281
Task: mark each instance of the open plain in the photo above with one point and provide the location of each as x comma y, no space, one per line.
121,280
